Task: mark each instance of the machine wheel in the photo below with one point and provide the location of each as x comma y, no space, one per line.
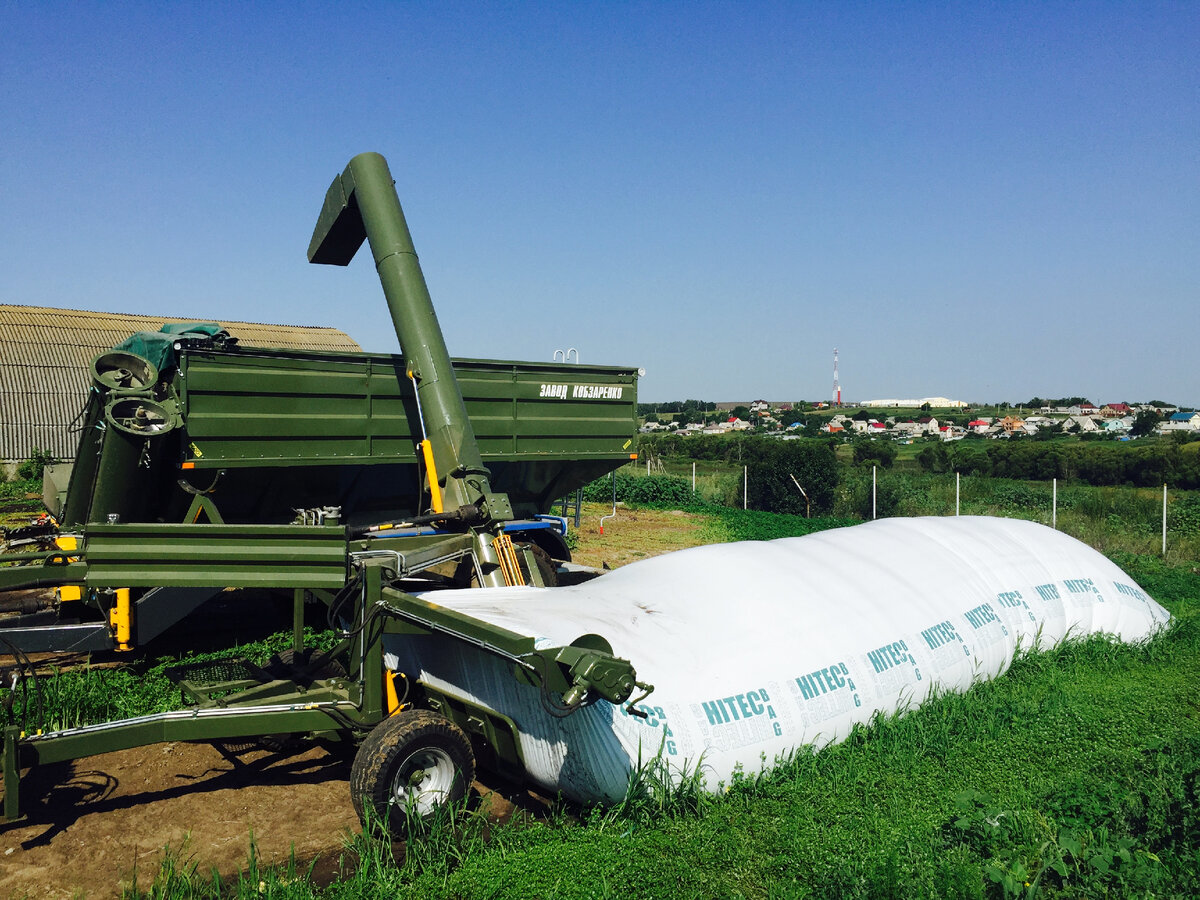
409,767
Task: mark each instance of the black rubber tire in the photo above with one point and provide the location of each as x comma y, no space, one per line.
415,758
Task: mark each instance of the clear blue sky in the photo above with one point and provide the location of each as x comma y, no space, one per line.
981,201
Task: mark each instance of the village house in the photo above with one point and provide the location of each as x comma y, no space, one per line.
1083,423
1182,421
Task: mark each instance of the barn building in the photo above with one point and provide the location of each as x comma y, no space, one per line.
45,366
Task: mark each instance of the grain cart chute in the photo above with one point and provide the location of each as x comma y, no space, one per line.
355,480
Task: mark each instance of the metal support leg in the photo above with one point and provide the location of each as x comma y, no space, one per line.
298,598
12,774
372,653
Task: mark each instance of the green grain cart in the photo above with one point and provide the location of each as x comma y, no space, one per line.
357,480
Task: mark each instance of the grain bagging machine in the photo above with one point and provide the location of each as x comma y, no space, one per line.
362,481
407,494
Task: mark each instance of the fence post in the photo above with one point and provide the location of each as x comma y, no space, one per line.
745,487
1164,553
872,493
957,492
1054,506
693,476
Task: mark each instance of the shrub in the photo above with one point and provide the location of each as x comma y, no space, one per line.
32,467
648,490
811,463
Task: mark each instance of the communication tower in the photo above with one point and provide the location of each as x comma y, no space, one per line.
837,388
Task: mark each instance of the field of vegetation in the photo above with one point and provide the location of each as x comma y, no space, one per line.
1077,774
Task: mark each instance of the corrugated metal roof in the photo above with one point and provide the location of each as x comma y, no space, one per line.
46,355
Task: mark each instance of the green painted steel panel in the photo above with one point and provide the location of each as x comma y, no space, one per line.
248,408
281,556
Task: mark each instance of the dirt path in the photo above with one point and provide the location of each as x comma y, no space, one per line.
91,824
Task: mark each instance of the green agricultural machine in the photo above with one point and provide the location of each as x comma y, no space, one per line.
355,480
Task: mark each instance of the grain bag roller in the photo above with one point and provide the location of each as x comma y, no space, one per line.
406,493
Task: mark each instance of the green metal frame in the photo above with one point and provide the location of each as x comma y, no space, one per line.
262,409
343,707
275,556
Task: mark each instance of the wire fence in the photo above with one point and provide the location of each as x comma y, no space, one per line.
1153,519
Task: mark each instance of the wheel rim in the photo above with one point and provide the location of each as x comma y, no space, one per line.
424,780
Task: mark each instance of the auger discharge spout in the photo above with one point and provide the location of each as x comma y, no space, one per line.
362,204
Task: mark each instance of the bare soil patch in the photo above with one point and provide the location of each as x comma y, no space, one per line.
634,534
90,825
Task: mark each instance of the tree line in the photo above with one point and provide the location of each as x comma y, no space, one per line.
1142,465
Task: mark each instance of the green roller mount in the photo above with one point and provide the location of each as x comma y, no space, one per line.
354,480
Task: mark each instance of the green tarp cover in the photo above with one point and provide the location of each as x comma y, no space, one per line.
159,346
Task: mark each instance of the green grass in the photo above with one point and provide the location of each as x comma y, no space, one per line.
726,524
18,488
90,695
1111,519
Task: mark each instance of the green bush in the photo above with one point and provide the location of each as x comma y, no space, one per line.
868,452
773,466
645,490
1183,515
16,490
32,467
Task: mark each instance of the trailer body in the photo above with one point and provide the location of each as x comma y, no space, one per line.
302,429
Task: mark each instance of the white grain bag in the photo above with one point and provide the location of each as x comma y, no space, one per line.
756,648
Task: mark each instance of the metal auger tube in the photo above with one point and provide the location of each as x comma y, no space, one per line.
362,204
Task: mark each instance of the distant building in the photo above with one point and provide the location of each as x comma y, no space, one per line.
1082,423
934,403
1182,421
